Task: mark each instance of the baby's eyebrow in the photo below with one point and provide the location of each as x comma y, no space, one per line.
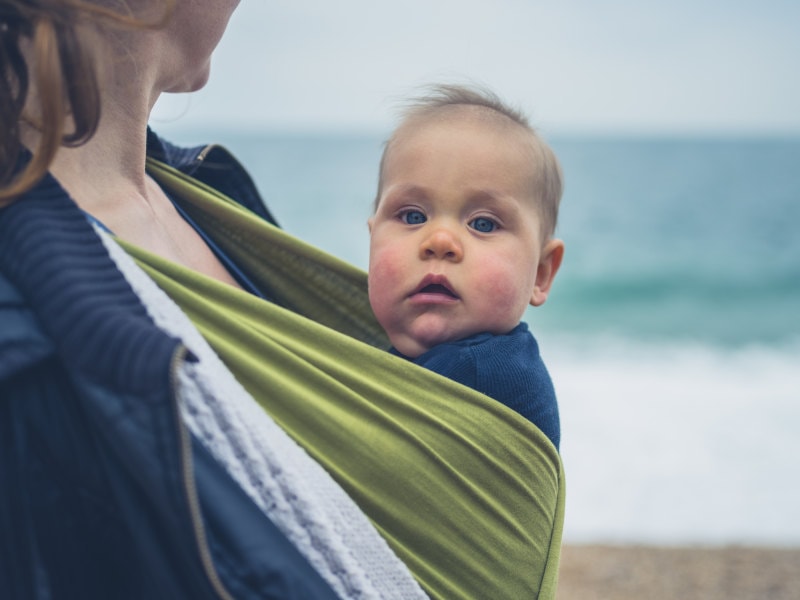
486,194
410,188
406,191
493,197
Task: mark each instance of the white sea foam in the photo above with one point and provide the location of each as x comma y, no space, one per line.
679,444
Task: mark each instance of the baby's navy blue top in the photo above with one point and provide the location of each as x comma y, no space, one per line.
507,368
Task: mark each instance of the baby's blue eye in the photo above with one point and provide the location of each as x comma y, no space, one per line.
483,225
414,217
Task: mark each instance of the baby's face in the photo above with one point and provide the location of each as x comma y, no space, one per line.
455,239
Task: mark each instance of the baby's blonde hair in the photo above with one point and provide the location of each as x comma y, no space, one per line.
443,99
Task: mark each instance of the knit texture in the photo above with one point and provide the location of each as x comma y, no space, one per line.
78,296
507,368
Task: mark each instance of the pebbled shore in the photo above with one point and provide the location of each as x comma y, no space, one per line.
599,572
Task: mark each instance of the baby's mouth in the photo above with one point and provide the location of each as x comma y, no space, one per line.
437,288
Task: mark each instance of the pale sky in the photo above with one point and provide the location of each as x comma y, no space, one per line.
680,66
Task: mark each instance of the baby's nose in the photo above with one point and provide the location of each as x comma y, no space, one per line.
442,244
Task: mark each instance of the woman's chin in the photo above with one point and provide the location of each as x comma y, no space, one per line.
190,84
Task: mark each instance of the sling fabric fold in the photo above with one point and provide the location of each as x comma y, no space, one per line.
466,492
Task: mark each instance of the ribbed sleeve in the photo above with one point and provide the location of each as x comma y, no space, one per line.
50,252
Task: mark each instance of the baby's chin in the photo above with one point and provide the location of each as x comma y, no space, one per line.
413,346
428,333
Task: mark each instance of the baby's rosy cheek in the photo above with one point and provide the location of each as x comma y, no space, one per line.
387,265
501,290
385,277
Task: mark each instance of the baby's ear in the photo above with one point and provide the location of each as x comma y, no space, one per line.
549,262
369,224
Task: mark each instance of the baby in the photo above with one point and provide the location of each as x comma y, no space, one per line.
461,242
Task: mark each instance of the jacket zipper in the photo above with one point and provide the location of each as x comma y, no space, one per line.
204,152
189,486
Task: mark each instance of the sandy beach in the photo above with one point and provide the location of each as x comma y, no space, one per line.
659,573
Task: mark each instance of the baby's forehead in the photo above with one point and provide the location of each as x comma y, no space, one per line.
463,115
518,143
479,121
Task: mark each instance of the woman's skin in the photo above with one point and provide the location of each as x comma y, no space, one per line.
106,177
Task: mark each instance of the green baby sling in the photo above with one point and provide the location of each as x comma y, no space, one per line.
468,494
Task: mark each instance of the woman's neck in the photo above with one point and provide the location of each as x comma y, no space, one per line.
108,166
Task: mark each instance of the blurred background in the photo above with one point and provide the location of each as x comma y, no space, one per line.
673,330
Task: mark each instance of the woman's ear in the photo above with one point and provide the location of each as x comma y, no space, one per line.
549,262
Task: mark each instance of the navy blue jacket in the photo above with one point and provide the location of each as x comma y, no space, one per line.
103,491
507,368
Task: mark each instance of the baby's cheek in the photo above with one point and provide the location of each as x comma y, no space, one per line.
501,298
386,266
504,290
383,281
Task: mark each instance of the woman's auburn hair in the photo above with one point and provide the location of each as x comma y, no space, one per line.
61,69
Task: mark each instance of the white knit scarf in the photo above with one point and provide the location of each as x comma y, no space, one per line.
292,489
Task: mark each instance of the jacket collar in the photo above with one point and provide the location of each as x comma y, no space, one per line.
74,294
215,166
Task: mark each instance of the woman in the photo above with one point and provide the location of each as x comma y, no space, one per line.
133,461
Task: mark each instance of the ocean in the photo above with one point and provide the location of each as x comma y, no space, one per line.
672,332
